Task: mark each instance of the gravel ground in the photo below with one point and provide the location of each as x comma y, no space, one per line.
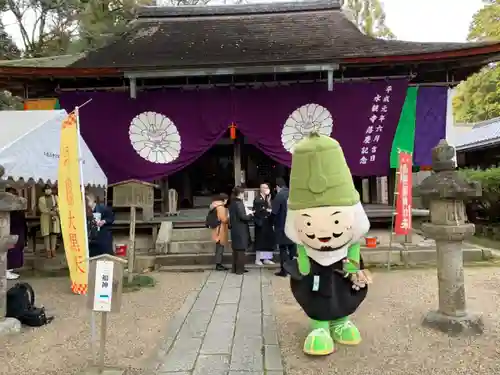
394,343
63,347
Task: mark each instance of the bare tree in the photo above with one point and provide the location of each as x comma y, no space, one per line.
46,26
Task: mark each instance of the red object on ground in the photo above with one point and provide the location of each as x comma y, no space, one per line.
371,242
121,250
404,197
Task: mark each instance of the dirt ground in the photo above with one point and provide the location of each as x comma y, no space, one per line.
394,343
63,347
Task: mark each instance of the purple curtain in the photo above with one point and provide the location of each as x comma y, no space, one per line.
362,116
130,141
430,125
161,132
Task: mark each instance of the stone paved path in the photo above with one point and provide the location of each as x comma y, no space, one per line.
225,328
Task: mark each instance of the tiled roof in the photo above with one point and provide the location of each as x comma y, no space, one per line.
482,134
261,34
61,61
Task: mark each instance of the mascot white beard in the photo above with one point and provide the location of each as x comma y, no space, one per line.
313,227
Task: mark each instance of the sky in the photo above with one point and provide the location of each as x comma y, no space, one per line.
431,20
413,20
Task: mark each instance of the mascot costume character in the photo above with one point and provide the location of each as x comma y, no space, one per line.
326,220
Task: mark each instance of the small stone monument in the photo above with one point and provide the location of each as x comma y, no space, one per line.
444,193
8,202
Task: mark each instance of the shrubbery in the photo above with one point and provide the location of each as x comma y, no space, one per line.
485,209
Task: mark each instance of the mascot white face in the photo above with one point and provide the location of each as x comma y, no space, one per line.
327,232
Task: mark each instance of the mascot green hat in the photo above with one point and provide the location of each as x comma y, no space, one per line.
319,176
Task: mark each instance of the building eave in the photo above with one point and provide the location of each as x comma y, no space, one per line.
476,146
491,50
27,72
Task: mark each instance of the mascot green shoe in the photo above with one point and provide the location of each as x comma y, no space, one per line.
319,341
327,220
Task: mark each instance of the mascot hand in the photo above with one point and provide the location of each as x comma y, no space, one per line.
360,279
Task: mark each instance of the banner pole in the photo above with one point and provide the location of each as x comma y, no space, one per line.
393,213
84,202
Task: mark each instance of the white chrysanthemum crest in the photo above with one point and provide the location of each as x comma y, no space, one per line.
304,120
155,137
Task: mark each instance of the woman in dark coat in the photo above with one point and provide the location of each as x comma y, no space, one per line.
18,226
265,241
240,231
101,238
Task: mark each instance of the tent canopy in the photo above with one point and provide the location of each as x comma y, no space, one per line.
29,148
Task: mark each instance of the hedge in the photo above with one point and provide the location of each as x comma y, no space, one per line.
485,209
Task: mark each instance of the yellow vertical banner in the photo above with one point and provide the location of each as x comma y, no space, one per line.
71,206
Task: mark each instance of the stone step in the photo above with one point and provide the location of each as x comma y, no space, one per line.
208,247
201,268
194,234
376,257
194,259
193,247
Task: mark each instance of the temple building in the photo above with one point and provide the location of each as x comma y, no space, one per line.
203,98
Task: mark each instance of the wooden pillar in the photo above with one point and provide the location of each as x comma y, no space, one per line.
365,190
391,185
237,162
164,196
33,200
372,180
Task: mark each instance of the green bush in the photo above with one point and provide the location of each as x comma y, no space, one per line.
487,207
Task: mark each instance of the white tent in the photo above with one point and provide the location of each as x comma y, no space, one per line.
29,147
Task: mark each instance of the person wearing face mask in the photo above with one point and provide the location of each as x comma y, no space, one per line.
50,224
265,242
239,222
101,242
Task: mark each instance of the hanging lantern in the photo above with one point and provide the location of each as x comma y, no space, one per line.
232,131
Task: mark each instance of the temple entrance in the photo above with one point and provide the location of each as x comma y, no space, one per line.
211,174
214,173
259,168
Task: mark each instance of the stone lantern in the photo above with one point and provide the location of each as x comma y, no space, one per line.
8,202
444,193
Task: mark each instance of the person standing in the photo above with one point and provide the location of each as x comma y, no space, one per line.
288,249
240,232
102,241
220,234
50,224
19,227
264,234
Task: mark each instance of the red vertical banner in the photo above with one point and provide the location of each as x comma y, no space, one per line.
404,195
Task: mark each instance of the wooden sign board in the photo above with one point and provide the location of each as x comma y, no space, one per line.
133,193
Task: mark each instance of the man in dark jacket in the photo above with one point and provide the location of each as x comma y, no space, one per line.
288,249
101,241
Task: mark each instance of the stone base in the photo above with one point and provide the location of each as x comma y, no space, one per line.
107,371
468,325
9,326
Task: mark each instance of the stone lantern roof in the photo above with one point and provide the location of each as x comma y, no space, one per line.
447,183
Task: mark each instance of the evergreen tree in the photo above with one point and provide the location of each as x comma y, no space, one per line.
478,98
8,51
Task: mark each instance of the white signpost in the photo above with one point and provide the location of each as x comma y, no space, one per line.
104,286
105,290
